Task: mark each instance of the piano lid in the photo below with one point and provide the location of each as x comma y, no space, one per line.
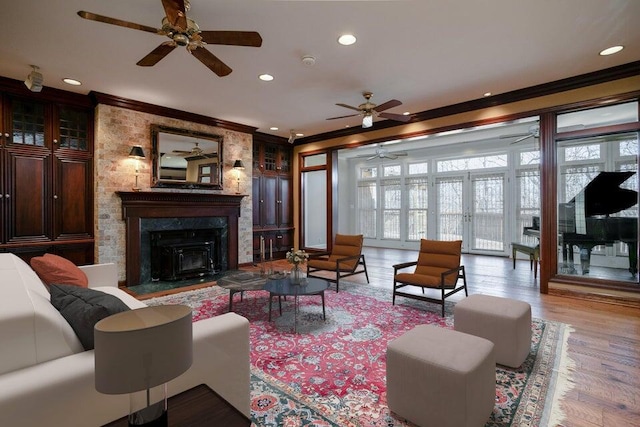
603,195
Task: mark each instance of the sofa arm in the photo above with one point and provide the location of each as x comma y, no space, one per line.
101,274
220,360
58,392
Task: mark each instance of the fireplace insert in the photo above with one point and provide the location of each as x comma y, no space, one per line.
181,254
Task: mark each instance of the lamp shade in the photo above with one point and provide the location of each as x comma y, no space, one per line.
140,349
238,164
136,152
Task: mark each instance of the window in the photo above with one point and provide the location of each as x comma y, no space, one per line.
469,163
367,208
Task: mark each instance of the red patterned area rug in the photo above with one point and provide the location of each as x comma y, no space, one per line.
332,373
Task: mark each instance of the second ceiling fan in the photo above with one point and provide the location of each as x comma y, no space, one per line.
368,110
183,31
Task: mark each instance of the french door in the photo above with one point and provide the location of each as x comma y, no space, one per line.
471,207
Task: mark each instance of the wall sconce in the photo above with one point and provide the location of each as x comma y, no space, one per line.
137,154
238,166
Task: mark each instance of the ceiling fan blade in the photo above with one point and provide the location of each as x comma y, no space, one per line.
527,136
232,38
389,104
396,117
343,117
174,9
157,54
349,106
372,157
113,21
211,61
515,135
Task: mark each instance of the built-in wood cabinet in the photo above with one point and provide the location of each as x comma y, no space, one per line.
272,187
46,177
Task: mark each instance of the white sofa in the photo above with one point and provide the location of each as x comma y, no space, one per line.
47,379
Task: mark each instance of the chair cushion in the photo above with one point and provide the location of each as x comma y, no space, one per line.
323,264
55,269
422,280
346,246
437,257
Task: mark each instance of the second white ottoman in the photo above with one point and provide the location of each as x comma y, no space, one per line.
440,377
504,321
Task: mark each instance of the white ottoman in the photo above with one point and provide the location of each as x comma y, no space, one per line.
505,322
440,377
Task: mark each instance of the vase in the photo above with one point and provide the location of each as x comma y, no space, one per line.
296,274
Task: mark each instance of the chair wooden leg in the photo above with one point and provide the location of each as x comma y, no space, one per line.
364,264
337,282
393,301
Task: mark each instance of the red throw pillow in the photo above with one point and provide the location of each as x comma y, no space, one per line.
55,269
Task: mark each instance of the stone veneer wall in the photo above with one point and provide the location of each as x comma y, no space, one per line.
116,130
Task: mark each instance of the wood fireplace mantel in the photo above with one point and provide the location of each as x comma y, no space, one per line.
156,204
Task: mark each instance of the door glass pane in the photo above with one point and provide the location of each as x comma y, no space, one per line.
598,207
314,209
417,209
391,206
450,214
488,213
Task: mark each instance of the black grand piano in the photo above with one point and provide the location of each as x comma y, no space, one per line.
585,220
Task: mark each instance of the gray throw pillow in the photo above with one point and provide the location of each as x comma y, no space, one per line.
83,308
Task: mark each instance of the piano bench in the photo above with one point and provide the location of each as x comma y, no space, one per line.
532,251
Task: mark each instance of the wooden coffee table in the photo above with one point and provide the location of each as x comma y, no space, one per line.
199,406
238,281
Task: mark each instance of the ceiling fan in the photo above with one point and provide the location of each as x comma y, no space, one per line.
534,132
196,151
368,110
183,31
381,153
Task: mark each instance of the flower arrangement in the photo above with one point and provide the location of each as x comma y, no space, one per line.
297,257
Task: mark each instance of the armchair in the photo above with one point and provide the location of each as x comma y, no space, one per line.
438,268
343,261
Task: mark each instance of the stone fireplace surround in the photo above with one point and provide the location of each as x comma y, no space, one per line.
181,207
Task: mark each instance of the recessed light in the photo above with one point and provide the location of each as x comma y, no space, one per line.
266,77
72,82
406,113
299,134
347,39
487,94
611,50
273,128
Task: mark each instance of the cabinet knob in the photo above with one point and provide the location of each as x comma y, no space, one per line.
6,134
7,196
261,201
55,141
55,196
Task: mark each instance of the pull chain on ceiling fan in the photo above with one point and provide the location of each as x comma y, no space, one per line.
183,31
368,110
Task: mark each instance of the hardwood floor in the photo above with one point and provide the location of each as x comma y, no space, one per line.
604,345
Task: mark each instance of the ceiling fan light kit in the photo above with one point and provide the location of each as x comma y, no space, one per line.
183,31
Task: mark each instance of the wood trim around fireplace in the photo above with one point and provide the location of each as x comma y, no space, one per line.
156,204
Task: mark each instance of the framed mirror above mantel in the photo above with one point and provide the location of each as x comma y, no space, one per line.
186,159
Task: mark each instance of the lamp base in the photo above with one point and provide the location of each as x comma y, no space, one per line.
152,416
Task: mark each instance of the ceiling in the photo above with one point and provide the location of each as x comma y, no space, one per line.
427,54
